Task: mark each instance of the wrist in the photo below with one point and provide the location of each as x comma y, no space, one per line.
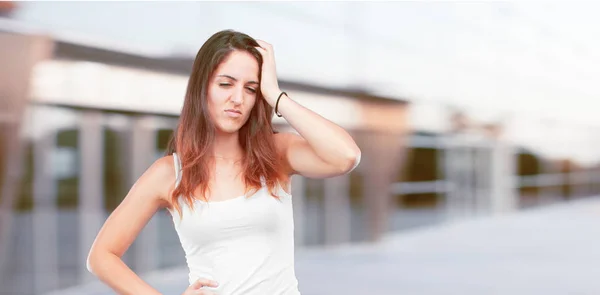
272,96
278,103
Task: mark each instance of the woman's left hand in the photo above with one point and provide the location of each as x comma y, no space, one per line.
268,84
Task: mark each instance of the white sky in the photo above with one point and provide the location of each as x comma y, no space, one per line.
527,59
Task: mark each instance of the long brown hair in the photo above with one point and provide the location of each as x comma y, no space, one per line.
195,132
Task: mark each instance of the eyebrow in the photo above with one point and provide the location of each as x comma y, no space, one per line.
234,79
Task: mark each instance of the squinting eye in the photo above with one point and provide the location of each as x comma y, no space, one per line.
252,90
224,84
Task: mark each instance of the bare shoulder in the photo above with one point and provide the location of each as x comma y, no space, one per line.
163,168
159,179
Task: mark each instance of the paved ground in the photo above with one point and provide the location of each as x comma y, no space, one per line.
551,250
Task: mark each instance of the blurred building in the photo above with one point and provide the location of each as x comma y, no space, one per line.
86,121
82,120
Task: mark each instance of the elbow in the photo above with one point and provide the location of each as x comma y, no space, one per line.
352,160
90,263
93,261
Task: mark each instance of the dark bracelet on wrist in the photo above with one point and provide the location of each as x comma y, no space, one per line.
277,103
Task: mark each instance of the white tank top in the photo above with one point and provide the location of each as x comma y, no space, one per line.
246,243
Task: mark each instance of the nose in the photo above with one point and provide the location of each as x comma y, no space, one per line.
238,95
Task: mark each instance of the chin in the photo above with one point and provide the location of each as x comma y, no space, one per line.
229,129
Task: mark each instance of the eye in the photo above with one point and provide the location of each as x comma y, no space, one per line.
223,84
252,90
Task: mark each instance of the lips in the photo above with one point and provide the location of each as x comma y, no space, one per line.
233,113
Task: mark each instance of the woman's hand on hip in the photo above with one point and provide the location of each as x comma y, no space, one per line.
196,287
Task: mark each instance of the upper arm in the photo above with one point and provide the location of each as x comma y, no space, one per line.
300,158
148,195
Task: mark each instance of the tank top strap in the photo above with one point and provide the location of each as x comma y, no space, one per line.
177,164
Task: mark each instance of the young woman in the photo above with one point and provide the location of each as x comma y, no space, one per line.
226,178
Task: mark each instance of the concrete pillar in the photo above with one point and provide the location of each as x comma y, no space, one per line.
337,210
383,154
581,180
45,228
142,152
459,170
483,173
91,186
503,191
497,177
11,163
451,181
443,186
299,200
595,171
18,56
471,149
590,184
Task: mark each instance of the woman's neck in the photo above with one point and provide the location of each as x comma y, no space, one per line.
227,146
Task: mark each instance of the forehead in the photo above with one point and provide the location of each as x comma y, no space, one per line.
240,65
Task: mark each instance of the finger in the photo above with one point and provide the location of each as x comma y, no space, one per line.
262,51
268,48
204,282
196,285
204,292
264,44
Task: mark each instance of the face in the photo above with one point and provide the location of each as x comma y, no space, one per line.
232,91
